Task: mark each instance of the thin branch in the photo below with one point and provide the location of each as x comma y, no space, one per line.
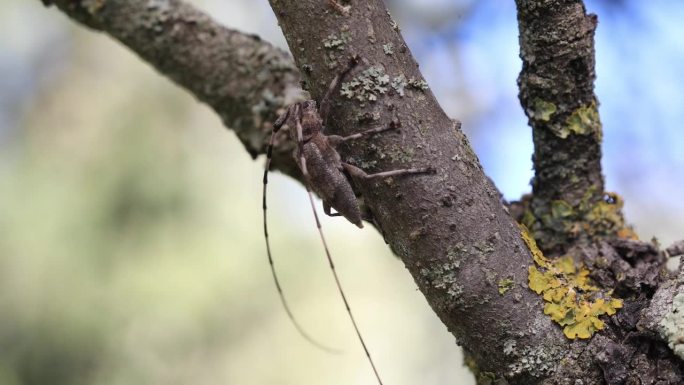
557,94
244,79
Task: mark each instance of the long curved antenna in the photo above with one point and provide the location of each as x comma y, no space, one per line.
296,324
302,163
339,287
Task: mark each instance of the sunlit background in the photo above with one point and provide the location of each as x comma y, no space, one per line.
130,219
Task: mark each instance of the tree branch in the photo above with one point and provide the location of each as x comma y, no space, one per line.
245,80
451,229
557,94
664,316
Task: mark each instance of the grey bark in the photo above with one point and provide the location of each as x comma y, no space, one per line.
557,78
451,229
557,94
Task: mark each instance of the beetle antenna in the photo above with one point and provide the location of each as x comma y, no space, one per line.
290,315
339,287
302,164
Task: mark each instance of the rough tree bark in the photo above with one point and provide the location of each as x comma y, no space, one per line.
451,229
557,94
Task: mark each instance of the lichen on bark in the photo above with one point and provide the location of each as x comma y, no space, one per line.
557,93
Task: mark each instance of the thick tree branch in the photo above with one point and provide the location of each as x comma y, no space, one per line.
451,229
245,80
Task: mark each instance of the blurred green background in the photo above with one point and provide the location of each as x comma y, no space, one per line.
131,249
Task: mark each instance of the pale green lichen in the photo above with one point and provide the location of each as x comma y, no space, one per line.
399,154
543,110
418,84
672,326
559,222
454,253
393,23
537,361
561,209
399,83
388,49
331,61
484,246
368,164
442,275
489,378
505,285
367,85
373,82
583,121
509,347
333,42
482,377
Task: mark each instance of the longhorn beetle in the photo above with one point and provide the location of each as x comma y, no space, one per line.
326,174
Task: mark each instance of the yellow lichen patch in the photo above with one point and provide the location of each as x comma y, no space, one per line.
565,265
571,300
583,121
505,285
528,219
606,214
587,317
538,256
583,282
627,233
559,223
605,217
556,295
543,110
561,209
613,305
541,282
583,329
